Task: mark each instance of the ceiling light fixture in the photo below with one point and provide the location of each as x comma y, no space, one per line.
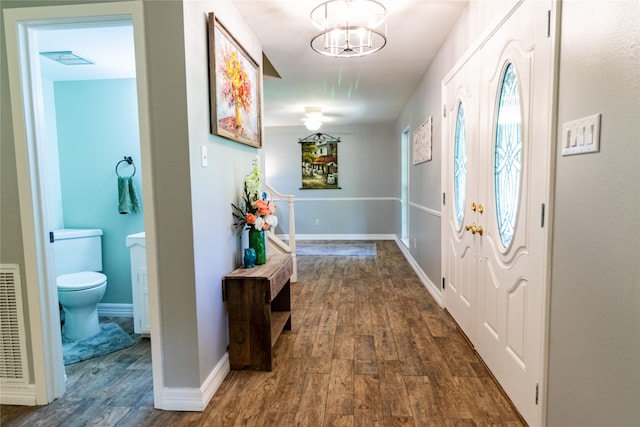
313,118
349,27
312,124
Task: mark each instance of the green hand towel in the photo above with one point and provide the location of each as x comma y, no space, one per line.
128,201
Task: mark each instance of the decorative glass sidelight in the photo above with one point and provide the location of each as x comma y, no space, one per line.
508,155
460,166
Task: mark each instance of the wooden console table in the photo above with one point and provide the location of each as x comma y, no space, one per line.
259,306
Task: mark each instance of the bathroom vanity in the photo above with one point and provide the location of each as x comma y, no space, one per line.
139,285
259,305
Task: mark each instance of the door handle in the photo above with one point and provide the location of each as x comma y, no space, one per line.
473,207
474,228
480,208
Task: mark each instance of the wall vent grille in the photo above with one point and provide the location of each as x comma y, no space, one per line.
13,355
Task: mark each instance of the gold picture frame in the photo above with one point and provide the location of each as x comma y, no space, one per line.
234,88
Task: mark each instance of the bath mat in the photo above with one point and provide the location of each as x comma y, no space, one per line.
111,338
336,249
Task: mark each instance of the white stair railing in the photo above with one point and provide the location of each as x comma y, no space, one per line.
278,244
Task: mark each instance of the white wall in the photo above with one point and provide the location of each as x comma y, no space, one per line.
215,187
368,176
594,355
196,246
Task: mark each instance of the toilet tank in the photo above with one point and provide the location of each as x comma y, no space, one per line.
77,250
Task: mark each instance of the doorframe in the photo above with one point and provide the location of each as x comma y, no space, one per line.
26,106
405,184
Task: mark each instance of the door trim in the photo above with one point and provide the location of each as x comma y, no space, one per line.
45,335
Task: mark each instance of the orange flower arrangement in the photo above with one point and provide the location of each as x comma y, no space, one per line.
258,210
237,85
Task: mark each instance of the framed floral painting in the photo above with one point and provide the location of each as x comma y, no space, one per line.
234,88
422,142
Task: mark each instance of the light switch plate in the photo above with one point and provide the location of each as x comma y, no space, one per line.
204,157
581,136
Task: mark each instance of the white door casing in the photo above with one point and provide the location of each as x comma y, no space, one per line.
21,27
504,292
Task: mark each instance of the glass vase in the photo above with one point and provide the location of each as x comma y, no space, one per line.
258,243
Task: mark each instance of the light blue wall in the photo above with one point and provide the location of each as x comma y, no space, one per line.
97,126
369,180
54,194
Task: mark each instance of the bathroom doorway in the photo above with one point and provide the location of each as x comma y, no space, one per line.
40,170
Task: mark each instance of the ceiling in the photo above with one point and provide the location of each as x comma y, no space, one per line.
109,47
368,89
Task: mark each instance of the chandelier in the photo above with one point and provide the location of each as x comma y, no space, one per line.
349,27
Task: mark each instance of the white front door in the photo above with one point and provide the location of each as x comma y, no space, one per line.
502,282
463,114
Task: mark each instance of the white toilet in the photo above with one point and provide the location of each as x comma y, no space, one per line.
78,260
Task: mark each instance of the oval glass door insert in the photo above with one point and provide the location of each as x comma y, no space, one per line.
460,166
508,155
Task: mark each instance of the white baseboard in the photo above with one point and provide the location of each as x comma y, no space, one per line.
194,399
107,309
345,237
18,394
431,287
215,378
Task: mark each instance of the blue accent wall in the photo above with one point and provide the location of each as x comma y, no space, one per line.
97,126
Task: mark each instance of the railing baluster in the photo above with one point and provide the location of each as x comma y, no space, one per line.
292,227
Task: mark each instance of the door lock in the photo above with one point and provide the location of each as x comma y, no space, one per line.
479,208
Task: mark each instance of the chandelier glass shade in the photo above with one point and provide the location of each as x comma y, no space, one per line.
349,27
312,124
313,118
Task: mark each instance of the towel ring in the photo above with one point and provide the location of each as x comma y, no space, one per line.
129,161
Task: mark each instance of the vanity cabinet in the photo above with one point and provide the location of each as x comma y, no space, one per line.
139,284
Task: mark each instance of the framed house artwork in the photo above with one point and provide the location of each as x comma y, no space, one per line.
422,142
234,88
319,162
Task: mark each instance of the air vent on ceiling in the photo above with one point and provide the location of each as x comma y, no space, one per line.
67,57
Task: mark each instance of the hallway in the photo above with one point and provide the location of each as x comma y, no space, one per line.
368,347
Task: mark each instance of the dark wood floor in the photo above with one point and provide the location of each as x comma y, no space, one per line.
368,347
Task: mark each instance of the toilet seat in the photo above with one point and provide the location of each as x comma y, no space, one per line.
80,281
